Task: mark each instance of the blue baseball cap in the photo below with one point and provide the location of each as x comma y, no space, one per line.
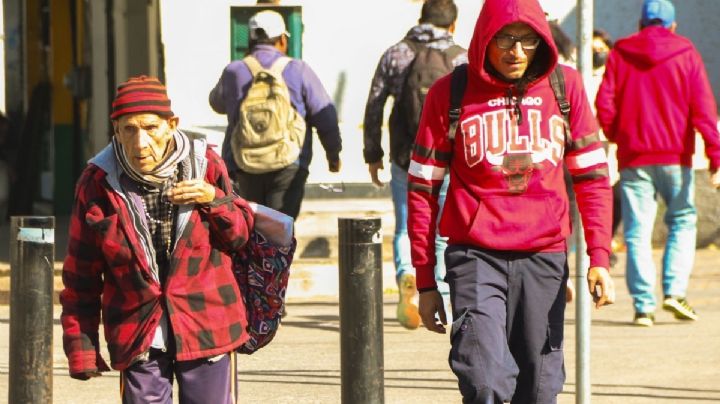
662,10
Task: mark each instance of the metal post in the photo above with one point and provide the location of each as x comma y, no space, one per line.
361,311
582,318
234,372
32,253
583,302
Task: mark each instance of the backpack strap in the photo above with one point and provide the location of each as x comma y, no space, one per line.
252,63
557,82
454,51
458,82
414,46
279,66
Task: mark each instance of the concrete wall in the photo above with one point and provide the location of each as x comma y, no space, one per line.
697,20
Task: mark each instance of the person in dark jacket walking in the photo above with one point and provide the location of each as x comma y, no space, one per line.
506,213
653,97
152,229
434,30
282,189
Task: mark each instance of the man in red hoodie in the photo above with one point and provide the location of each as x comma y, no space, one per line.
654,95
506,213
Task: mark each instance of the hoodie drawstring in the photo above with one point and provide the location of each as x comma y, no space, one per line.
516,104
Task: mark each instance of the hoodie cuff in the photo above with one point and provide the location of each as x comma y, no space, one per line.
599,257
425,277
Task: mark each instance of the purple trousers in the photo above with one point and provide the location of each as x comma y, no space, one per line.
199,381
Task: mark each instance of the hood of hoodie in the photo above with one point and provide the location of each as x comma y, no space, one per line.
652,46
496,14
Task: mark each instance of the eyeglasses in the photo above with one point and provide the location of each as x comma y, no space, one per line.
506,42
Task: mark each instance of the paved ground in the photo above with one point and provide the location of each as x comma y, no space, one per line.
673,362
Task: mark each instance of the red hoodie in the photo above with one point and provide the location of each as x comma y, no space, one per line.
507,190
654,94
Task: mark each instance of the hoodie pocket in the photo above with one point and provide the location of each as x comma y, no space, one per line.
518,222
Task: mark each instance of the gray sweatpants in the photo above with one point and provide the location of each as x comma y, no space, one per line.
508,330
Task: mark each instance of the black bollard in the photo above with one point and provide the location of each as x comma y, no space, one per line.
361,311
32,253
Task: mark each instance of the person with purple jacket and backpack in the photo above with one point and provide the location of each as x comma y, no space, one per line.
281,189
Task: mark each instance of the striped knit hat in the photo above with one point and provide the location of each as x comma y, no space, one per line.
141,94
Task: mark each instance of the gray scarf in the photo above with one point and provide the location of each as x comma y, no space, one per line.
165,170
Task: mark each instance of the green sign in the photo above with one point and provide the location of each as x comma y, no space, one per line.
240,34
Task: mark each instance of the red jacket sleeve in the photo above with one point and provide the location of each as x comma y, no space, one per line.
425,175
587,162
83,285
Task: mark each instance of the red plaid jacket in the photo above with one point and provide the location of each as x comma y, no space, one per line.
106,270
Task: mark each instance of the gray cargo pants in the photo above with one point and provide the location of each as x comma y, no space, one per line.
508,330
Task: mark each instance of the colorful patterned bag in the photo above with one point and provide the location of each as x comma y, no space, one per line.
262,270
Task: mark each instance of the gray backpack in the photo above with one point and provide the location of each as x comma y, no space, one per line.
269,134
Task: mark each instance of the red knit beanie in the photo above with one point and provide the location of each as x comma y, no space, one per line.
141,94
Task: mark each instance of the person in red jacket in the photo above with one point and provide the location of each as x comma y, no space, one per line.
151,232
506,213
654,95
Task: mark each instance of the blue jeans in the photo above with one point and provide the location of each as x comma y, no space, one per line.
401,241
639,187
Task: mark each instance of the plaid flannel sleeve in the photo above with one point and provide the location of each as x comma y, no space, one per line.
81,296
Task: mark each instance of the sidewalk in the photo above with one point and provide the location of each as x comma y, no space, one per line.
672,362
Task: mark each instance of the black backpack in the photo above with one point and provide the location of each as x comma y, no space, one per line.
428,65
457,91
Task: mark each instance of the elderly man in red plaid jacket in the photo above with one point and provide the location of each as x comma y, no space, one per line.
151,233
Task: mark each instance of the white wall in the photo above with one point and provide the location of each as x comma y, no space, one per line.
349,36
340,36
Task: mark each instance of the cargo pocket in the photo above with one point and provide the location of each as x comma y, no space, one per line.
552,373
477,369
555,337
464,353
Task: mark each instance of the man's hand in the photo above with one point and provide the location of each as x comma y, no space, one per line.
373,168
334,165
601,285
191,192
715,179
431,302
